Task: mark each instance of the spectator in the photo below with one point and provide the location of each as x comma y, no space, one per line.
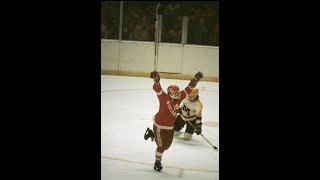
128,29
200,32
142,31
174,34
113,30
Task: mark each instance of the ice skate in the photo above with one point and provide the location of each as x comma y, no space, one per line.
149,133
157,166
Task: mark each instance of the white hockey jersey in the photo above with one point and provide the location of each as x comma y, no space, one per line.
191,110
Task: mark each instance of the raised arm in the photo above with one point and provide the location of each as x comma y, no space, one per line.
194,81
156,86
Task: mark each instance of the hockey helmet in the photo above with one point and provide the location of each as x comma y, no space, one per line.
173,92
193,96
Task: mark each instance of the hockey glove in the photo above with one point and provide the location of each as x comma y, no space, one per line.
195,79
155,76
198,128
198,76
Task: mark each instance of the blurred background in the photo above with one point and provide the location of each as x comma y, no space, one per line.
188,40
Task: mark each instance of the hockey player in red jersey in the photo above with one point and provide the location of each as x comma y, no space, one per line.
164,120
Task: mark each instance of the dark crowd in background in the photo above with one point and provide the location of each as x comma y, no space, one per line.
138,21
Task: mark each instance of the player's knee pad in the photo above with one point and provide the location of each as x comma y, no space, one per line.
189,128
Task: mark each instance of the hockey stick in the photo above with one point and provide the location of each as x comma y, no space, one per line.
156,40
214,147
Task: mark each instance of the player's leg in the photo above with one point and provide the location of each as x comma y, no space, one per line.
167,137
159,151
179,124
189,130
164,140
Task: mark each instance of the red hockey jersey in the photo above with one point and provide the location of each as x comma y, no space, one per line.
165,118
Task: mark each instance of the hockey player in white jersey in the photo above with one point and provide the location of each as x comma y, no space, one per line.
190,110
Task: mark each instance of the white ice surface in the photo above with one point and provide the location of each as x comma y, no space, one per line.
127,107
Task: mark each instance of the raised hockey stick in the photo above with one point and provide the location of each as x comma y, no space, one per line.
214,147
156,39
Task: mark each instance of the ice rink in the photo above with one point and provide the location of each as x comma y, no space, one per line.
127,107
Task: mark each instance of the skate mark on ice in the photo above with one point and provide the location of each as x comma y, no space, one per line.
179,169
